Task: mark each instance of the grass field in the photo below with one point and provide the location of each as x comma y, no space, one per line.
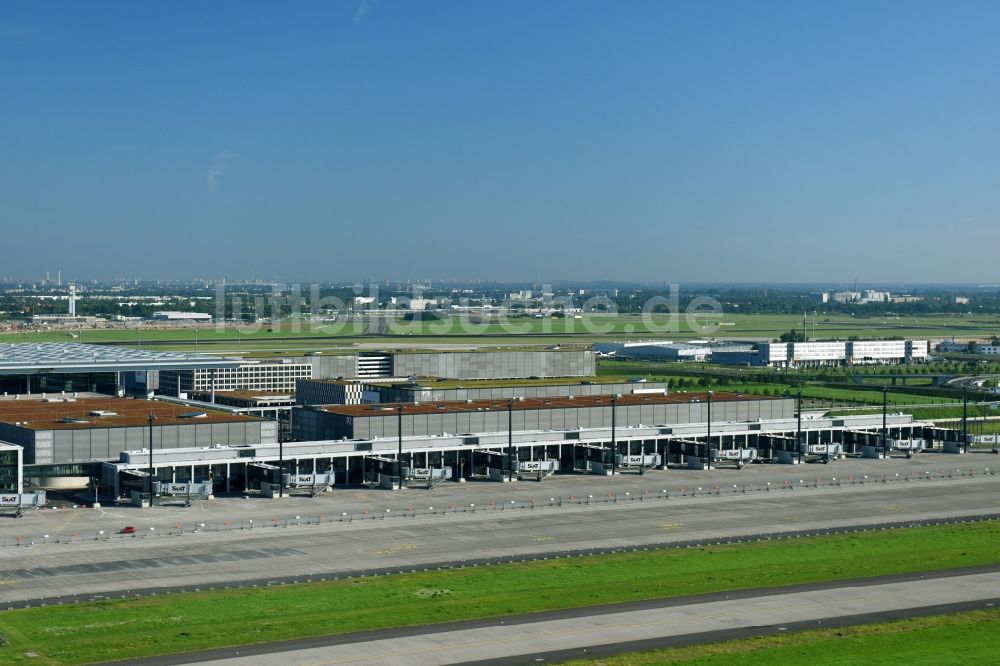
951,412
317,336
942,640
108,630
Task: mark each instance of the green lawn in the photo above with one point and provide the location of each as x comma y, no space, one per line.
926,413
960,638
103,631
334,335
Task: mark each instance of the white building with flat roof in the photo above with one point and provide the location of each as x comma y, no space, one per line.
850,352
174,315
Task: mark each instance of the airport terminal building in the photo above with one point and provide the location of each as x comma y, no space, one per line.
505,364
63,430
347,392
562,413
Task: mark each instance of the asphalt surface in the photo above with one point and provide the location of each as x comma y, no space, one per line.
600,631
64,568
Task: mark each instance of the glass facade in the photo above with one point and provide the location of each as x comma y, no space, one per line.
8,472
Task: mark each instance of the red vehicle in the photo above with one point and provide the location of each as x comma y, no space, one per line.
127,530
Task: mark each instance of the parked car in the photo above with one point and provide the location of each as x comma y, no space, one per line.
129,529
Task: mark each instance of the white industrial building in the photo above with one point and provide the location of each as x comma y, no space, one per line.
665,350
174,315
952,347
849,352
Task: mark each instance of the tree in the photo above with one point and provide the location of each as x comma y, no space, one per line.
794,335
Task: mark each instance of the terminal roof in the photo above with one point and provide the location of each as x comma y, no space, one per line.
66,413
21,358
453,406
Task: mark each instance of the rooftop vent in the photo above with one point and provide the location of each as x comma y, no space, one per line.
193,415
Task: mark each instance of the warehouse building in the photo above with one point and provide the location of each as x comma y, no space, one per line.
344,392
479,416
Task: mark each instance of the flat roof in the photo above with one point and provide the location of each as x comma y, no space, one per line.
254,395
249,397
19,358
458,406
418,383
75,414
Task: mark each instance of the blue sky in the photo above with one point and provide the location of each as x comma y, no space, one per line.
764,141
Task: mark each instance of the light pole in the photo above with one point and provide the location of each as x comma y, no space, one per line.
150,418
614,440
965,416
885,417
399,442
708,442
281,457
798,427
510,439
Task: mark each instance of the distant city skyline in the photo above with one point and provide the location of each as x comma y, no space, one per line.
570,140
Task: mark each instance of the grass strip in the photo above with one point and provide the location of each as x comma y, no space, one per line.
110,630
959,638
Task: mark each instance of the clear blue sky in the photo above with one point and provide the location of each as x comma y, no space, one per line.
776,141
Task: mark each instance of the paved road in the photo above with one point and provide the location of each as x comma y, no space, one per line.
299,552
607,631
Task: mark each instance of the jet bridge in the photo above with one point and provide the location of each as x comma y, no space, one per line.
737,458
388,472
697,454
910,447
950,438
16,504
540,469
432,476
498,465
312,484
781,449
184,493
823,453
581,457
258,473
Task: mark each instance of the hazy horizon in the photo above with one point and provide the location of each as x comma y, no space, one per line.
766,143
